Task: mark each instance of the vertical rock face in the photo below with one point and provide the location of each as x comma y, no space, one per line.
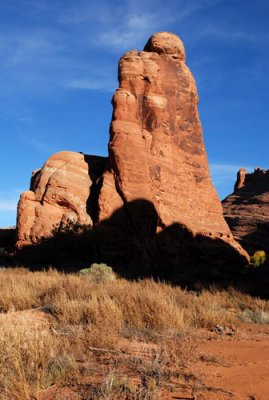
247,209
59,194
156,146
155,195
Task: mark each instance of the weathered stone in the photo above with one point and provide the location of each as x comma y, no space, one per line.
58,195
156,146
153,199
247,210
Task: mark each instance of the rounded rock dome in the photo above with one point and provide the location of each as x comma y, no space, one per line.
166,43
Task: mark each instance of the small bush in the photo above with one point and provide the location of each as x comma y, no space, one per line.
98,273
258,258
255,317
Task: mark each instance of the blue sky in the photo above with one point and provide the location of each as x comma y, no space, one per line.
58,72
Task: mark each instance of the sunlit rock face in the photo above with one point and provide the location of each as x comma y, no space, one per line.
156,146
247,209
59,195
154,194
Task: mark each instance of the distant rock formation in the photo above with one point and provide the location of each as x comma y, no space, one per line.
156,177
246,210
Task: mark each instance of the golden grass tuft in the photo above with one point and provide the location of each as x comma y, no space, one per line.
89,322
31,360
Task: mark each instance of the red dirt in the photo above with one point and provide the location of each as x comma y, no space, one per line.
239,365
226,367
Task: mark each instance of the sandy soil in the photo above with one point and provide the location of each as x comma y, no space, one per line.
237,367
227,367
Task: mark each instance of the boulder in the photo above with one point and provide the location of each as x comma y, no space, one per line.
246,210
59,195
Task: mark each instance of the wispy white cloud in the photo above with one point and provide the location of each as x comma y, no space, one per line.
224,33
224,177
121,28
36,142
24,46
192,7
86,12
8,211
92,84
8,204
39,59
133,13
59,55
223,173
129,24
134,29
32,7
10,109
138,20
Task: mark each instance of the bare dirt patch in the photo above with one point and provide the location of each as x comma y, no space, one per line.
238,365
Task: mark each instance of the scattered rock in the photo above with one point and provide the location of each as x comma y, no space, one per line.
225,330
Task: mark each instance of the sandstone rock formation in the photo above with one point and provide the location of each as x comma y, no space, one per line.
247,210
59,194
156,147
155,194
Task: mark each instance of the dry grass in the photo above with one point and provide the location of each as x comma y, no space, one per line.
31,360
88,326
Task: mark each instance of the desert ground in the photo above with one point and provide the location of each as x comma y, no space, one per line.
82,336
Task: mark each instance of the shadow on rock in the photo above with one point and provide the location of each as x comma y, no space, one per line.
128,242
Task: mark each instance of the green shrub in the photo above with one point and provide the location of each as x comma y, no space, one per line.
255,317
98,273
258,258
